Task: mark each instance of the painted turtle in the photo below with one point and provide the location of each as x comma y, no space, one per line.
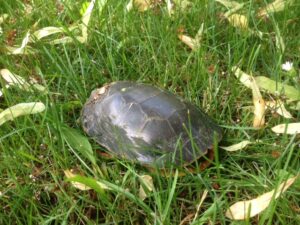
149,125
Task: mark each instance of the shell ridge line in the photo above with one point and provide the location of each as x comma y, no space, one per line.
178,116
119,114
150,119
152,96
141,110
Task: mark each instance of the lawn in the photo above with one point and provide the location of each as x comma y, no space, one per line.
237,61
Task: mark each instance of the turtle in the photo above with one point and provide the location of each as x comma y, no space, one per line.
149,125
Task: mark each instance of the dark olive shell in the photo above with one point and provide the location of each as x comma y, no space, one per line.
147,124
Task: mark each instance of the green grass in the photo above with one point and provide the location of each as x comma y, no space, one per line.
144,47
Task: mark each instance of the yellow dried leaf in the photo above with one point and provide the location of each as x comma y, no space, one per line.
236,147
278,106
295,106
3,17
65,40
21,109
243,77
147,184
23,49
181,4
47,31
266,84
230,4
86,19
241,210
15,80
239,21
170,7
259,112
258,101
278,88
80,186
289,128
205,192
193,43
276,6
141,5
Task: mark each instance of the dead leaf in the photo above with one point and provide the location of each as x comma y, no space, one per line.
241,22
258,101
289,128
230,4
141,5
275,6
64,40
236,147
23,49
129,5
296,106
276,154
238,21
241,210
278,107
15,80
243,77
80,186
20,110
193,43
200,203
277,88
170,7
187,219
259,112
86,19
266,84
188,41
179,5
147,186
182,4
82,26
46,31
3,17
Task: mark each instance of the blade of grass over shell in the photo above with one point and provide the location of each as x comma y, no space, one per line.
79,142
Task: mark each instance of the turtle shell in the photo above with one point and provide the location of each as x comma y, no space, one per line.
149,125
